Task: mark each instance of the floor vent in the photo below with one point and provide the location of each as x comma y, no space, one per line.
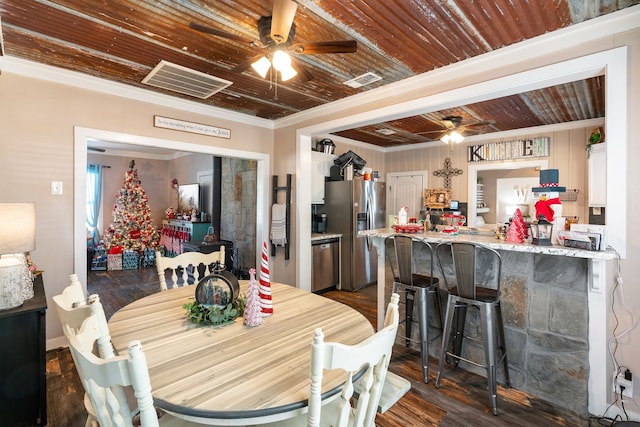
184,80
363,80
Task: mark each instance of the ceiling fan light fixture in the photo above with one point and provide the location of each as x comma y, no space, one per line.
453,136
281,60
287,73
262,66
456,137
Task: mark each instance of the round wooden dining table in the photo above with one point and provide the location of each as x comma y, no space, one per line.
235,374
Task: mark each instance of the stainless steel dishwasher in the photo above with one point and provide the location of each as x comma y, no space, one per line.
325,268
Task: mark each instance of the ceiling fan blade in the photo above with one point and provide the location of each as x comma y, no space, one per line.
245,65
99,150
282,19
314,48
483,123
218,33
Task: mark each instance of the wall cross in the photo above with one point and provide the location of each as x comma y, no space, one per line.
447,172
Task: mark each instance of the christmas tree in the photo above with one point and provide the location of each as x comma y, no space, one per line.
517,232
132,227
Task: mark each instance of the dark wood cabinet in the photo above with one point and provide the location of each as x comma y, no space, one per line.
23,371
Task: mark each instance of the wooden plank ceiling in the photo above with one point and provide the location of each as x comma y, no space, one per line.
123,41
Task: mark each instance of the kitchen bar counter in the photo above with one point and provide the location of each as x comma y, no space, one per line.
556,312
438,237
322,236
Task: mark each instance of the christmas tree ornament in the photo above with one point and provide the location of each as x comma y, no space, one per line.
265,284
253,310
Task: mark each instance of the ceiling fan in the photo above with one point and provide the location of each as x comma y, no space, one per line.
453,129
277,33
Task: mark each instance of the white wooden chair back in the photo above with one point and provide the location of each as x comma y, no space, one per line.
104,379
374,353
74,311
73,308
196,263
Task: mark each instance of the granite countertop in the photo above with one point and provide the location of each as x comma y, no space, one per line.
322,236
492,242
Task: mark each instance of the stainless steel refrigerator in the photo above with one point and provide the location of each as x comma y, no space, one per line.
352,206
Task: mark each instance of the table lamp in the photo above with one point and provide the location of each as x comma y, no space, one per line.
17,236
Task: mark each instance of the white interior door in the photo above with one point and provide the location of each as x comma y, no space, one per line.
406,189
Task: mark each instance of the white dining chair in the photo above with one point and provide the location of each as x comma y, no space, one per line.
197,264
374,354
73,309
106,380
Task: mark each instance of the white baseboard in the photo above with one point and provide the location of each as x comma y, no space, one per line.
57,342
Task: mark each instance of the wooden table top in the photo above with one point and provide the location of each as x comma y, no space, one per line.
234,372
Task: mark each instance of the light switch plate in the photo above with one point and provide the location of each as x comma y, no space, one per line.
56,188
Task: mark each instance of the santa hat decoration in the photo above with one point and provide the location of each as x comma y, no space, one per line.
265,284
252,311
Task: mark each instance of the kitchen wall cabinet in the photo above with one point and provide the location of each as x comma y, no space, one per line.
23,356
598,175
320,168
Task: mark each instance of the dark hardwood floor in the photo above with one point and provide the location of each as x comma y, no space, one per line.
461,401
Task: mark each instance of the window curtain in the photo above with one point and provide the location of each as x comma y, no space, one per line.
94,196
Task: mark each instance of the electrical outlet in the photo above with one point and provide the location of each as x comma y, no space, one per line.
620,382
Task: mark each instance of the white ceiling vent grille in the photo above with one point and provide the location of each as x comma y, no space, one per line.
363,80
184,80
386,131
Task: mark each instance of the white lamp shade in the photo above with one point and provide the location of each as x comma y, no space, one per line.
456,137
17,227
281,60
262,66
288,73
445,138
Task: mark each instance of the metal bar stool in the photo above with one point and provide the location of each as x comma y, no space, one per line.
477,270
418,288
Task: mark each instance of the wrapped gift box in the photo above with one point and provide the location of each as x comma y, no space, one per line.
130,260
114,261
99,259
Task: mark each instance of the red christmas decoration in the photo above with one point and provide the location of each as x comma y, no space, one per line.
543,207
517,232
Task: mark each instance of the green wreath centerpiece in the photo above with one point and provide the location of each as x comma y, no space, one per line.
208,314
218,300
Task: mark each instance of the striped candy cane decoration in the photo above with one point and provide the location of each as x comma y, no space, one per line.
265,284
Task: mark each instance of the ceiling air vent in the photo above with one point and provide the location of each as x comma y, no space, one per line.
363,80
385,131
184,80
